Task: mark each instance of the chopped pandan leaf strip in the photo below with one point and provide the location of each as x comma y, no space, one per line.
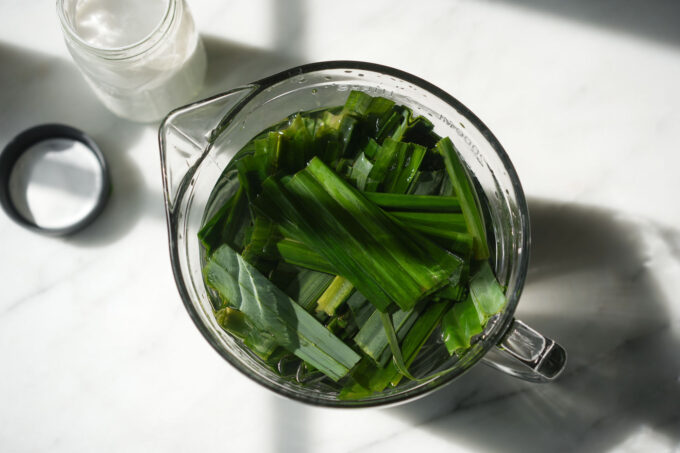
372,339
392,126
417,203
333,137
408,173
435,220
323,133
382,108
397,357
307,286
237,221
332,152
347,136
297,142
467,319
360,307
451,236
229,224
358,102
417,258
371,149
376,117
486,292
261,245
414,183
385,161
269,309
453,241
364,105
396,166
269,149
360,171
211,234
326,137
467,196
252,170
459,325
391,180
298,253
452,292
236,323
398,132
402,176
337,293
327,143
328,121
310,124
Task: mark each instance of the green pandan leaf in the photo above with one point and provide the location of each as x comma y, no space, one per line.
268,308
468,198
467,318
236,323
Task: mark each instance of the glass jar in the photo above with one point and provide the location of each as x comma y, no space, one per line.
142,59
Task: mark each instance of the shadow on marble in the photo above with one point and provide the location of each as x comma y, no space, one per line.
130,198
658,20
291,422
59,94
590,288
231,64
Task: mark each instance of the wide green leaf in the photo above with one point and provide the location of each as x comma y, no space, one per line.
467,318
235,322
243,288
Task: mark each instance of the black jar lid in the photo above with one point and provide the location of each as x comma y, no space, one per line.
53,179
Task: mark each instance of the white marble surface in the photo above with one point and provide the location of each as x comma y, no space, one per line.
98,354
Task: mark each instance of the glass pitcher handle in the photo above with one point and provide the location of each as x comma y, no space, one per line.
526,354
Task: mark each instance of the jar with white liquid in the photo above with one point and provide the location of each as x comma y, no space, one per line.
142,58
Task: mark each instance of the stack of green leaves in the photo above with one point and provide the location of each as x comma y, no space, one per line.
355,235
